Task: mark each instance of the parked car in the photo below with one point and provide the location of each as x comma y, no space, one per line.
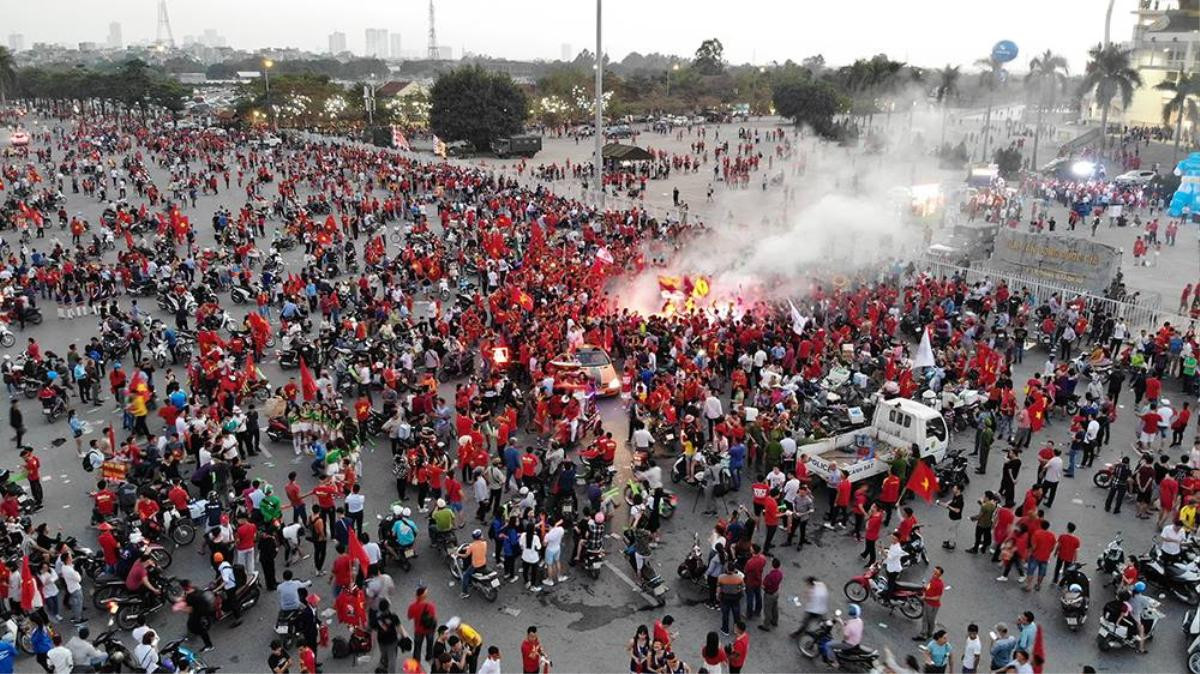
593,361
1137,177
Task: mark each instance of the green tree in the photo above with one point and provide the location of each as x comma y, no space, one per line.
1047,78
991,78
709,57
1182,104
8,74
947,88
1109,73
477,106
811,102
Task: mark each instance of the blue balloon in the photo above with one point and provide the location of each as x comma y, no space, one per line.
1004,51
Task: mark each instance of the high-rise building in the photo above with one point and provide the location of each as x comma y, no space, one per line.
114,35
337,42
567,54
16,42
1166,43
397,47
377,43
211,38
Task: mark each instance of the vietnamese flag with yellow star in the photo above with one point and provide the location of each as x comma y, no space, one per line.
923,482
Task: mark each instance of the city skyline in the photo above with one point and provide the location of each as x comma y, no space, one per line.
789,32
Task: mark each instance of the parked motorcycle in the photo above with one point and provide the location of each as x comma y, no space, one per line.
908,597
952,471
1113,635
648,578
668,503
1074,596
1191,627
694,568
1177,578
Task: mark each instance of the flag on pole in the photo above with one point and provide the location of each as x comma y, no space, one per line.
798,321
308,385
604,255
398,140
924,352
28,585
923,481
358,552
439,147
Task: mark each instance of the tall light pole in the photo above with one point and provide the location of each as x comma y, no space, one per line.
267,63
369,100
598,159
1108,22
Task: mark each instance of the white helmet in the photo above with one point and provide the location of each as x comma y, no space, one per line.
407,512
453,623
397,510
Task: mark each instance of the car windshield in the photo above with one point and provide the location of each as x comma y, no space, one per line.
592,358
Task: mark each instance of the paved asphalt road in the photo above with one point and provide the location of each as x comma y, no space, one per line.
585,624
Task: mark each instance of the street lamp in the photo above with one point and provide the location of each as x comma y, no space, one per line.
598,159
267,63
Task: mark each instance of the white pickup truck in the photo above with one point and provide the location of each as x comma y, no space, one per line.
868,451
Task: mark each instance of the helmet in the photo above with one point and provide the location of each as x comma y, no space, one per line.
524,491
599,518
854,610
407,512
1139,586
397,511
453,623
441,503
218,558
477,534
1075,587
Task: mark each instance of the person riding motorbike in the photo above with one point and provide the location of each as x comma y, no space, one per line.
601,454
442,519
1119,611
852,631
229,586
474,560
405,530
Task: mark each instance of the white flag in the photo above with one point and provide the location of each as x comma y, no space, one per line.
798,321
604,255
924,352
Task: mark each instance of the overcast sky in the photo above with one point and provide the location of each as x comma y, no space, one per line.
925,32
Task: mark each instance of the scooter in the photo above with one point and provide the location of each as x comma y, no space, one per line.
1111,561
914,549
693,568
1191,627
486,581
247,595
593,558
1177,578
649,580
908,597
278,430
1075,596
668,504
952,471
1113,635
817,642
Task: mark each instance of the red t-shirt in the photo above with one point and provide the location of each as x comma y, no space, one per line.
760,491
1043,544
770,512
343,570
874,523
843,494
416,610
106,502
110,546
890,493
33,467
662,634
741,648
1150,422
246,533
325,494
529,464
904,531
179,498
1168,489
933,592
1068,547
294,495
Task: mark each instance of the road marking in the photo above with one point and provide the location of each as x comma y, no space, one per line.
629,581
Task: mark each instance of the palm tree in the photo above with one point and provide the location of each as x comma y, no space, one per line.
1108,74
8,73
990,79
1047,77
1182,104
947,88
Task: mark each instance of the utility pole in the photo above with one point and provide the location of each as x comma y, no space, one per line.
1108,22
267,64
598,159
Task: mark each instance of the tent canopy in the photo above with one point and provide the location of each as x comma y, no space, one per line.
619,152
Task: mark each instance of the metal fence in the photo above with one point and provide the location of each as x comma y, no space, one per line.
1141,315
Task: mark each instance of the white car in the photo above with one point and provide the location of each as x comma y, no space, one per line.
1138,177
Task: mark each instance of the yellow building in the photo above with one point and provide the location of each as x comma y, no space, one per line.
1166,42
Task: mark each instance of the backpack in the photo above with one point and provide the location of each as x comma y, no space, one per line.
360,641
89,460
340,648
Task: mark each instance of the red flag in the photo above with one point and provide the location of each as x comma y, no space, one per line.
112,438
923,481
28,585
251,371
308,385
358,552
128,240
525,300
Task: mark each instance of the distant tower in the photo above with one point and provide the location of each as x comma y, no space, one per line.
164,27
433,52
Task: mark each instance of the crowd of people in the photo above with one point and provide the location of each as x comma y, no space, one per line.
447,301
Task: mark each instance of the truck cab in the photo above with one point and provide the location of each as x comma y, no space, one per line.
866,452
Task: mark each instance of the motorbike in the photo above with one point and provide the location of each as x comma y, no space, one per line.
815,642
118,654
247,595
7,338
175,651
908,597
242,294
593,558
285,627
28,505
486,581
1103,478
1074,602
1111,560
1177,578
914,549
952,471
694,568
667,504
648,578
1113,635
1191,627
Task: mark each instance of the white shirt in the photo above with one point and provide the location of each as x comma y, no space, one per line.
72,578
642,438
60,659
1054,470
1171,538
817,599
489,666
789,448
373,553
530,549
354,502
971,652
554,538
894,554
1165,413
1093,430
712,407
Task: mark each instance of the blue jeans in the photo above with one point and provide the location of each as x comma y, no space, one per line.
730,606
735,477
754,602
1071,462
468,572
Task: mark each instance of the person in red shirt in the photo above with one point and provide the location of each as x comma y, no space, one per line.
662,631
423,613
33,473
109,546
326,492
935,587
245,538
754,569
1041,547
343,569
889,495
905,529
178,496
841,501
295,497
874,524
739,649
1168,492
532,654
104,502
1068,551
147,511
454,497
1179,424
